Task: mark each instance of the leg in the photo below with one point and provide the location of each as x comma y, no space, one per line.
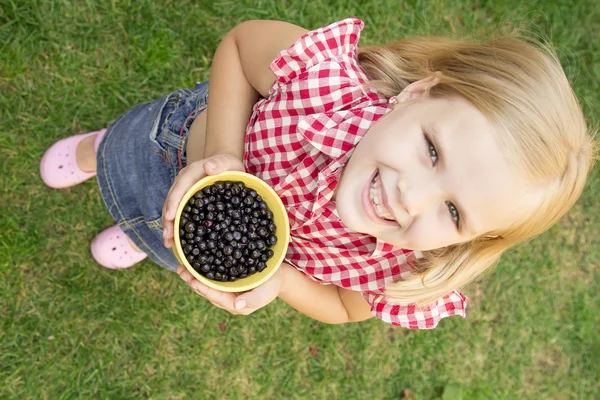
86,154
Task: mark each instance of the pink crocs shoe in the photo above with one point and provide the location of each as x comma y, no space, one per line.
111,249
58,166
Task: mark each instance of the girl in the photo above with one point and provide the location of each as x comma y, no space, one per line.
406,170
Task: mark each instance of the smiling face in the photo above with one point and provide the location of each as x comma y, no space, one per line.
433,168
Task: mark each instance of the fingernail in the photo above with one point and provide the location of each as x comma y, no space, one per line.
210,165
240,304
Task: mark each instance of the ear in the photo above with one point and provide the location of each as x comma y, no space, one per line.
417,89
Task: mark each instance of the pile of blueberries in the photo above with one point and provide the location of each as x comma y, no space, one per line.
226,231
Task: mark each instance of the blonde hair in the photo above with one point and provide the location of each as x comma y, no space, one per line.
524,92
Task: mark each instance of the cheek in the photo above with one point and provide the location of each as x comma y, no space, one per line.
427,234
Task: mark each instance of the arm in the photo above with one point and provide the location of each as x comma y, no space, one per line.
325,303
239,76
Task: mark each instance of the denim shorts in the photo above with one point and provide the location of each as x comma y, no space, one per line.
138,159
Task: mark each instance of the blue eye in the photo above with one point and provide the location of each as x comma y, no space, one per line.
453,213
432,150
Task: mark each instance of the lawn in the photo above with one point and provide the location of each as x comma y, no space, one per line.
72,329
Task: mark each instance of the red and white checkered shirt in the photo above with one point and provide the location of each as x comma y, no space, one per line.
298,140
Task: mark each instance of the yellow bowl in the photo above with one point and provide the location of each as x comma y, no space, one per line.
280,219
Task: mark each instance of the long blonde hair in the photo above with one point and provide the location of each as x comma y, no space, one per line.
523,90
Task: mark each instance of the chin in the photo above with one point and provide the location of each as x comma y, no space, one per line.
348,215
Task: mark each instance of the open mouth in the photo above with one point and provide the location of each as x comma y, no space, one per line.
376,196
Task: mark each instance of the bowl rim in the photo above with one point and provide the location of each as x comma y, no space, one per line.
178,251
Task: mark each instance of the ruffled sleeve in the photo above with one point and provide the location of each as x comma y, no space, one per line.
314,47
413,317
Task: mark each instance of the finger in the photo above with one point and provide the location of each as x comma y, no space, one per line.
167,232
192,174
185,274
218,298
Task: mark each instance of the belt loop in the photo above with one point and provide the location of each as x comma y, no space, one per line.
174,140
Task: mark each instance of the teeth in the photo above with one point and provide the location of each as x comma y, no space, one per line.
376,199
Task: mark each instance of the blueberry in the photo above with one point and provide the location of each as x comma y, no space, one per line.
271,240
190,227
262,232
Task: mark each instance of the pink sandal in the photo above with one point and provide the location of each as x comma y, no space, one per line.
111,249
58,166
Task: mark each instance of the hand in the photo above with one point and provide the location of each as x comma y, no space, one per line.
186,178
237,303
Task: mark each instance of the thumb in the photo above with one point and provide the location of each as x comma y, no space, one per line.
257,298
222,162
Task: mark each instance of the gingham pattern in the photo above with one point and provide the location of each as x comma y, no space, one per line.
299,139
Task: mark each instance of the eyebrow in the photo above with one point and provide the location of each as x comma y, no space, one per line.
465,222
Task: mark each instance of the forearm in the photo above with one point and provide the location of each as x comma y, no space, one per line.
230,102
320,302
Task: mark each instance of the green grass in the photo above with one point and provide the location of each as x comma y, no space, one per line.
71,329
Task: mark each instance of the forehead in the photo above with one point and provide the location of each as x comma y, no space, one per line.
475,168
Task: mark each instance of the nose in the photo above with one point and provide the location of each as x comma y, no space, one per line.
418,196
